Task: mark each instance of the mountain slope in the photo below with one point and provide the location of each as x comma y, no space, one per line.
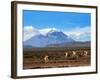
51,37
58,37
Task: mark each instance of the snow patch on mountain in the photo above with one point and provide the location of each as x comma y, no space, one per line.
47,30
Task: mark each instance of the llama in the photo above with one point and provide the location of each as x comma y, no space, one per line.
75,55
46,59
85,53
66,54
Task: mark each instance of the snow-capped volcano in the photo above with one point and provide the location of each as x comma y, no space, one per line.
44,37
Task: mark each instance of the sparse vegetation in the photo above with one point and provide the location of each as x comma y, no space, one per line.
56,57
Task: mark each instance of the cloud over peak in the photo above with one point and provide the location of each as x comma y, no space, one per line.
29,32
78,33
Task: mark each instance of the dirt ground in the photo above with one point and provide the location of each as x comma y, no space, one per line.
55,59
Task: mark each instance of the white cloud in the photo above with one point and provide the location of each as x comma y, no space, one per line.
46,30
29,31
80,34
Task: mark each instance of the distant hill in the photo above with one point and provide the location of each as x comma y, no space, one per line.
27,46
71,44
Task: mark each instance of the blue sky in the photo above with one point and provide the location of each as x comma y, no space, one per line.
64,21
